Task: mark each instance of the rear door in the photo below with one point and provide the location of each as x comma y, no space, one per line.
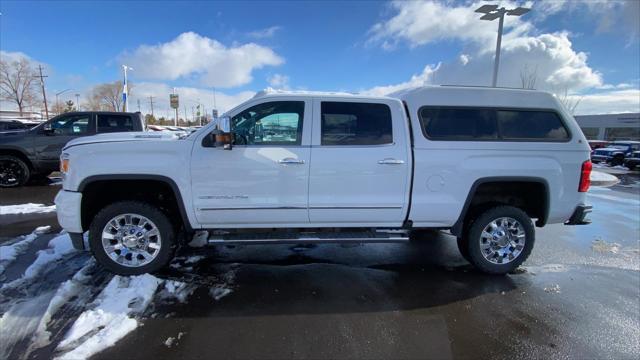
360,163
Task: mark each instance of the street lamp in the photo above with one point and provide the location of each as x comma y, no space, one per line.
57,103
492,12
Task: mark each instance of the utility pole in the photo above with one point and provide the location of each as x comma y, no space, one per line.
185,114
44,94
151,101
492,12
138,105
77,102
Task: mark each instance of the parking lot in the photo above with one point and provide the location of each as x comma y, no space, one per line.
578,295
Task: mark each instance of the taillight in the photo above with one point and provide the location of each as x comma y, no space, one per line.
585,176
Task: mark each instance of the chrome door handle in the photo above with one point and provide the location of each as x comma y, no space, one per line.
290,161
390,162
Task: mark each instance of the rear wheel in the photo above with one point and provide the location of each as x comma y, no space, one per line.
617,160
132,238
14,171
500,239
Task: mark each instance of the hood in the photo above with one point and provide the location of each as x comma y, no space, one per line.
609,149
13,133
123,137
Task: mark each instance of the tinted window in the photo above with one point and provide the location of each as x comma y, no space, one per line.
461,124
271,123
71,125
530,125
12,125
114,123
348,123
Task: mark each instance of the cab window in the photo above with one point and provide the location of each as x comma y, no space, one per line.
114,123
270,123
71,125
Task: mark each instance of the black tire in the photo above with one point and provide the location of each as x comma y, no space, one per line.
162,222
617,160
463,247
14,171
473,239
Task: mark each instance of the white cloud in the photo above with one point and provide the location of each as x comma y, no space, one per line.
422,22
189,97
557,64
192,56
422,79
279,81
609,102
264,33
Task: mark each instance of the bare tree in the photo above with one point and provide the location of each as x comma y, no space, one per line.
570,102
16,83
107,96
528,77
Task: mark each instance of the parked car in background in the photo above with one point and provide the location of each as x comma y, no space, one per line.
615,153
597,144
25,153
633,160
15,125
482,163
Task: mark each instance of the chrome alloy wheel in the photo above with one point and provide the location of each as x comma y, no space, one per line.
131,240
502,240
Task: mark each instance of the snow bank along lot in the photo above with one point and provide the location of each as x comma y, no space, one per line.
56,302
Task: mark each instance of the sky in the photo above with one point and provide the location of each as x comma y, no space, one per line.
588,49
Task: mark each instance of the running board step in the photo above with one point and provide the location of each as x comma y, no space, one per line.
308,237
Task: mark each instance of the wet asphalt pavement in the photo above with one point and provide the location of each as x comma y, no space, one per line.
578,296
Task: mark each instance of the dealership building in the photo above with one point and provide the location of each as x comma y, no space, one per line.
610,127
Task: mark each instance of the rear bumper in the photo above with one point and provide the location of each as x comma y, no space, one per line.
579,215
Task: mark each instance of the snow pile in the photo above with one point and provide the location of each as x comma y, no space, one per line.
66,292
173,340
225,288
555,289
109,320
602,246
9,253
58,247
176,289
28,208
547,268
599,178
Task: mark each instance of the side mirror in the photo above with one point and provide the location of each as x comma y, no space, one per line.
47,129
224,137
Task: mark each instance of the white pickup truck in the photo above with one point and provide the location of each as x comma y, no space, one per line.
286,167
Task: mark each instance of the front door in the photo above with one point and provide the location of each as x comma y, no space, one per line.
360,164
263,181
62,129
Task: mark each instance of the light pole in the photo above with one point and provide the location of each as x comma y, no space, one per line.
492,12
77,102
57,103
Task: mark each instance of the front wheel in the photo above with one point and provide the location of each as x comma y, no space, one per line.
500,239
13,171
132,238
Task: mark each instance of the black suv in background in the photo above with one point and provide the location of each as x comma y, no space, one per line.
36,152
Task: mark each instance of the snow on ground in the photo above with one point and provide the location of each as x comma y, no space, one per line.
599,178
28,208
111,318
58,247
9,253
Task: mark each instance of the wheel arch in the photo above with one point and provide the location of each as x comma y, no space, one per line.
140,178
458,226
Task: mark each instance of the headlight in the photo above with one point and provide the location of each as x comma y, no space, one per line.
64,163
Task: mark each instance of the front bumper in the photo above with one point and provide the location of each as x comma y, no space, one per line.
579,215
68,210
